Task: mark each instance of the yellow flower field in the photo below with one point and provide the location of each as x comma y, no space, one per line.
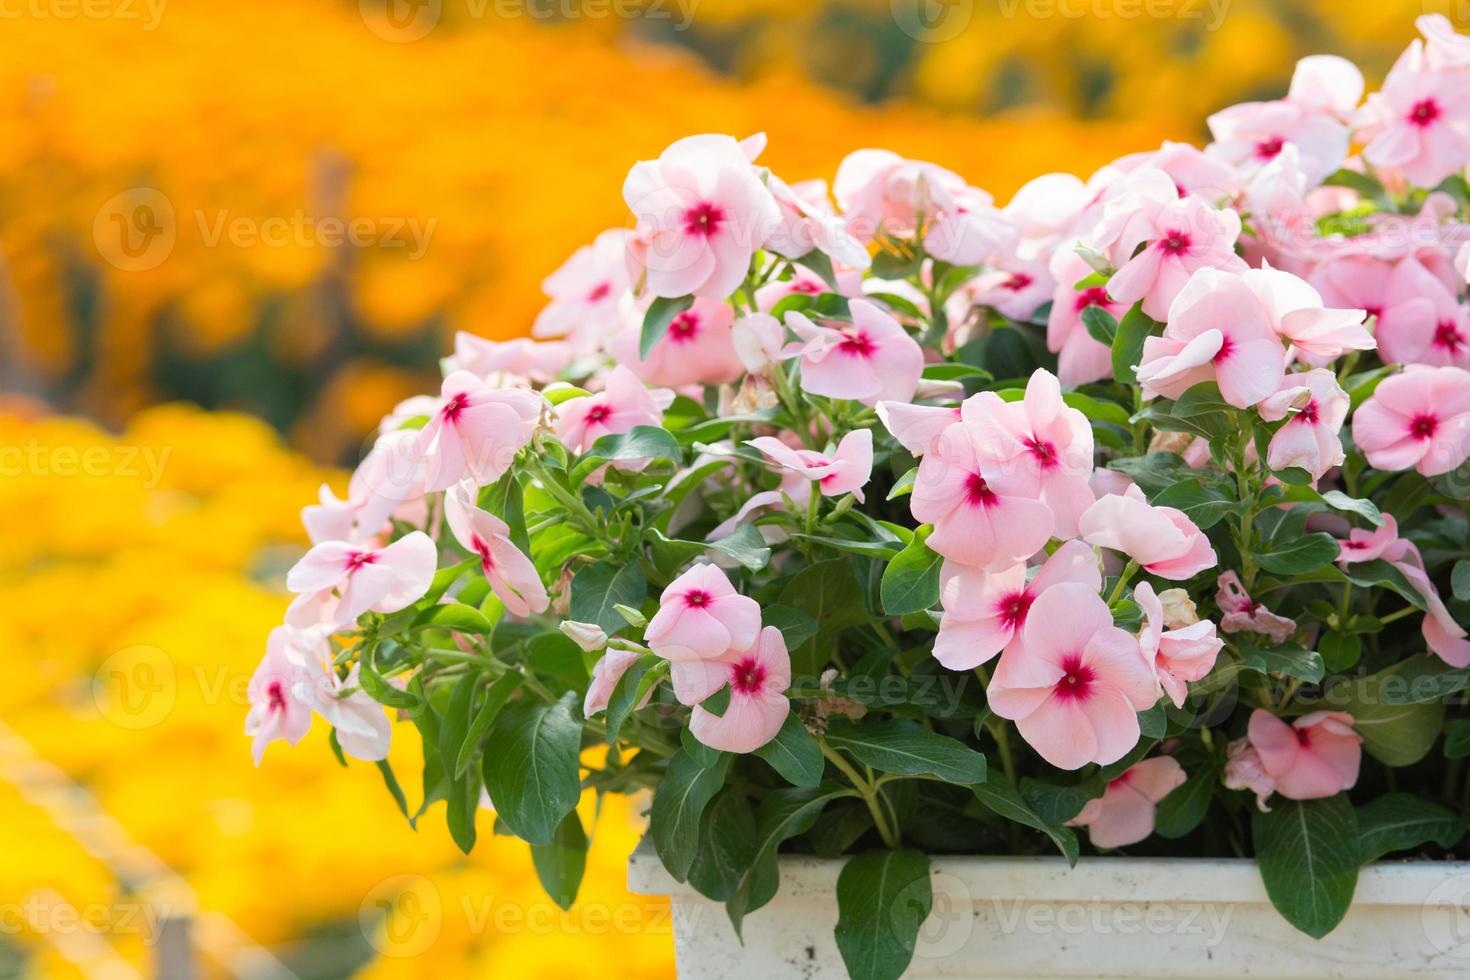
138,584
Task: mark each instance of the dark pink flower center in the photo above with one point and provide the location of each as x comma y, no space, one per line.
1092,296
1018,281
455,407
978,491
1423,426
1303,736
697,599
806,286
1175,242
275,692
600,292
1425,112
1269,149
1447,335
598,413
357,559
684,327
482,548
748,676
1013,609
1227,347
1374,311
857,344
1310,414
704,220
1045,452
1077,679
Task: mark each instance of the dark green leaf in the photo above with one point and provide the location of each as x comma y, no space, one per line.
1005,802
784,813
599,587
726,844
678,805
1185,807
391,781
794,753
907,748
1127,346
485,715
883,897
533,776
796,626
911,580
454,616
656,321
1299,555
1402,822
1101,325
561,863
1309,852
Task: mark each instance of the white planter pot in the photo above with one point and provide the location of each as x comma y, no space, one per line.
1108,917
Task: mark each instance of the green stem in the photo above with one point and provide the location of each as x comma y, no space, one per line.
867,790
1129,571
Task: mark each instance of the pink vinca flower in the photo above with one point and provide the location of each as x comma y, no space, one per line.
846,471
476,431
1381,542
1217,331
702,213
917,427
1163,540
1428,324
1183,237
1445,48
870,359
758,339
623,404
586,290
1125,813
389,482
1314,757
808,223
1239,613
275,711
1041,448
1442,634
1419,122
1420,418
758,676
512,576
701,616
1310,119
1315,407
507,362
985,612
881,193
1076,690
974,522
1298,316
697,349
1179,656
1081,359
337,582
605,676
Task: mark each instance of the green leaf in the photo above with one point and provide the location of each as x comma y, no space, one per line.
1308,852
905,747
817,261
463,804
454,723
1205,505
911,580
796,626
454,616
639,442
598,588
1299,555
494,700
1127,346
656,321
745,545
1101,325
1394,734
726,844
630,691
678,805
379,689
390,781
1096,409
533,776
1457,739
1365,509
1288,660
1057,804
784,813
1402,822
561,863
1185,807
883,897
1460,580
828,593
1340,651
1153,722
904,485
1371,574
794,753
1423,678
1200,399
1005,802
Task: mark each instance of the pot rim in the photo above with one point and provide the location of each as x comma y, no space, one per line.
1039,878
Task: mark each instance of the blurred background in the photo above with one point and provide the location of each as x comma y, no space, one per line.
232,236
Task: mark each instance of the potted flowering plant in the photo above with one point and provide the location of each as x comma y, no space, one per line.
1130,517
